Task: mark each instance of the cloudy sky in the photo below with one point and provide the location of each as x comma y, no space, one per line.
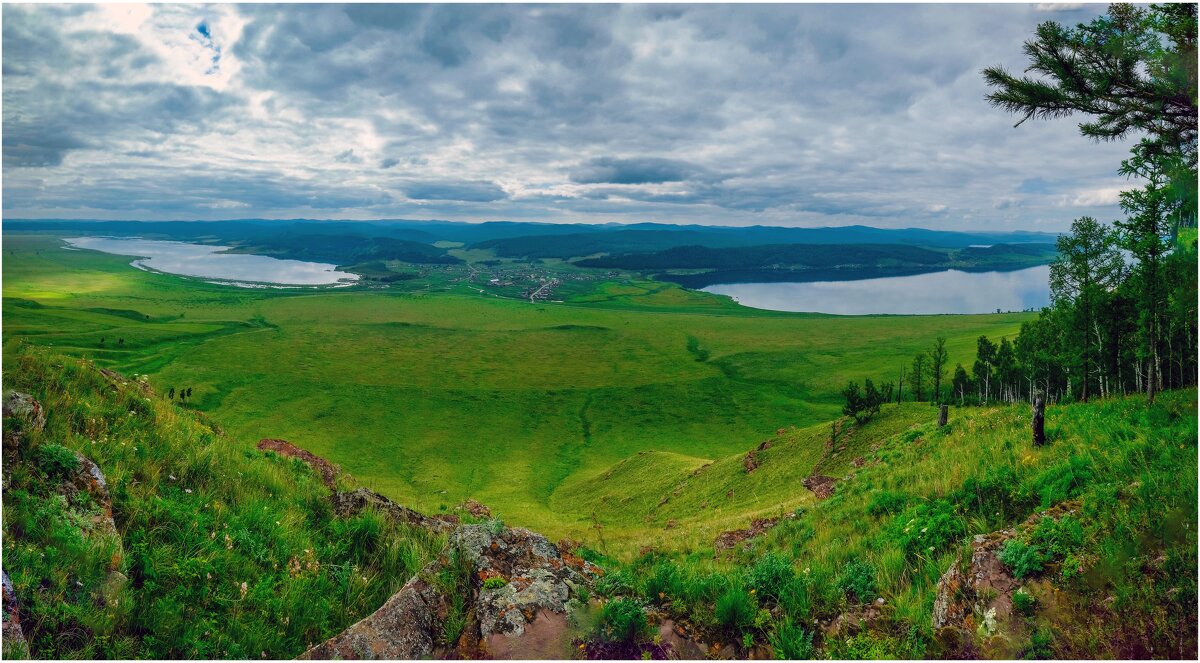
811,115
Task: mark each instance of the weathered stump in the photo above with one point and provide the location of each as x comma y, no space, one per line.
943,414
1039,420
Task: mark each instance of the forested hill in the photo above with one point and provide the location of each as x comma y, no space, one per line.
828,256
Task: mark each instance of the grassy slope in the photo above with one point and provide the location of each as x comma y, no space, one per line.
433,395
228,553
1126,587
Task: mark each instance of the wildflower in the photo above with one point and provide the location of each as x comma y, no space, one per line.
188,491
244,590
172,476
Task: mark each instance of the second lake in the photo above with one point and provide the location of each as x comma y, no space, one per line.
949,291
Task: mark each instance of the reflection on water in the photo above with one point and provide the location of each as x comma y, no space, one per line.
208,262
950,291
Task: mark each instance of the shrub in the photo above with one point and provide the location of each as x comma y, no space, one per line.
1021,558
792,643
1023,602
735,610
858,581
57,461
770,574
622,620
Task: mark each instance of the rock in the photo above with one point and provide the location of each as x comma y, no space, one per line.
976,597
15,645
114,584
27,415
352,502
727,541
24,408
403,628
525,616
89,478
821,486
476,509
327,470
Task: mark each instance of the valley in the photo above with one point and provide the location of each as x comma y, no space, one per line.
432,392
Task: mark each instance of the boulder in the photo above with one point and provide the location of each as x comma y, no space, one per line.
352,502
89,478
523,616
975,599
24,408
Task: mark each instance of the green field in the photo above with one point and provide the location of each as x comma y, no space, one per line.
431,392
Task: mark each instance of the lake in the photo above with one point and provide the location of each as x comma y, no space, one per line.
209,262
950,291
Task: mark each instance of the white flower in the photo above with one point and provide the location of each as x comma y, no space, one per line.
188,491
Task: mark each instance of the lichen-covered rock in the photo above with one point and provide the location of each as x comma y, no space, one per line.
352,502
403,628
90,479
976,598
531,601
15,645
26,409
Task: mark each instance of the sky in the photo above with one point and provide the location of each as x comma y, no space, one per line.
808,115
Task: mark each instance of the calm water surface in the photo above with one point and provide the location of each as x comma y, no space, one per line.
204,261
950,291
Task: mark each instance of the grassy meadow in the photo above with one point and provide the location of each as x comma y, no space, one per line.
430,392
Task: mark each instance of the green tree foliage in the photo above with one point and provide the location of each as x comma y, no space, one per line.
1111,329
1089,267
863,403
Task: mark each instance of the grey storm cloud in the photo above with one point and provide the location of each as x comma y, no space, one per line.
725,114
480,192
648,170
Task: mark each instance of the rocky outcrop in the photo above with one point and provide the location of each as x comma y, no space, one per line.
352,502
821,486
12,635
514,603
727,541
974,600
475,509
89,479
26,409
327,470
750,462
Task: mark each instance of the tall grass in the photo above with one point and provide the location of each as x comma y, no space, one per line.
228,553
895,528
